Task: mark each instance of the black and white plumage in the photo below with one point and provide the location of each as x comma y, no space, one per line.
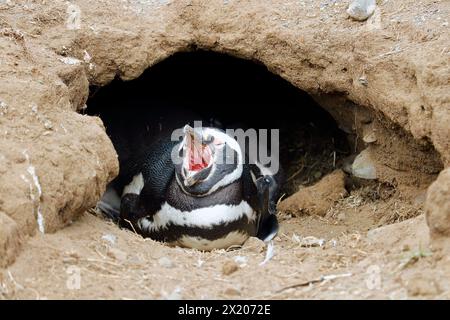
215,201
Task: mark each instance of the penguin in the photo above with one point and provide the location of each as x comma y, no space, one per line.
195,192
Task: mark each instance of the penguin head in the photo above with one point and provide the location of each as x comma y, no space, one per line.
211,159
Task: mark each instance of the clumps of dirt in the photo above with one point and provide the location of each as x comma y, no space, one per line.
318,198
353,203
438,207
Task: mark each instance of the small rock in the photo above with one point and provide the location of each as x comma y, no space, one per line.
369,134
363,81
311,241
364,167
48,125
232,292
370,137
69,60
3,108
86,57
165,262
361,9
254,244
229,267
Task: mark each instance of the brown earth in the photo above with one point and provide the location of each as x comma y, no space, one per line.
386,82
316,199
392,262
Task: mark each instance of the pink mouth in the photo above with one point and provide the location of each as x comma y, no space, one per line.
199,155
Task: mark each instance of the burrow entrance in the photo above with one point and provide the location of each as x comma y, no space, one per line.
234,93
231,93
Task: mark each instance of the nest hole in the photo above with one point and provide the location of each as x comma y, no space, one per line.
232,93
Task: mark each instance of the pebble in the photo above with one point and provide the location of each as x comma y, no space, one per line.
69,60
229,267
363,166
361,9
370,137
363,81
232,292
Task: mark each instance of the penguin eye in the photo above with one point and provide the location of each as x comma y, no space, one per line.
218,142
209,139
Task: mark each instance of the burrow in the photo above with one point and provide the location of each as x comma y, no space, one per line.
319,133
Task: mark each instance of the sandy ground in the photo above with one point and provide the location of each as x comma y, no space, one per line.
314,257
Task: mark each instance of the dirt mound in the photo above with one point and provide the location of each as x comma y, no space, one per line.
317,199
438,207
385,81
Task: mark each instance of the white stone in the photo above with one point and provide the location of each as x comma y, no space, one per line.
361,9
364,167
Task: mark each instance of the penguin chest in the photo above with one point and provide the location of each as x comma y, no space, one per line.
217,221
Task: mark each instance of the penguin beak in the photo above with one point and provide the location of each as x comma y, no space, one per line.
198,157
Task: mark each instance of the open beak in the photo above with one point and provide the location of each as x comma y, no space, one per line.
197,158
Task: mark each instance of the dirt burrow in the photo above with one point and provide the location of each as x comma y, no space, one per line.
386,77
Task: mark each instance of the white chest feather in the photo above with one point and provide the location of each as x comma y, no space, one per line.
203,217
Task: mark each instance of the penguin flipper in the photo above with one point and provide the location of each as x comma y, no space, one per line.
146,190
267,189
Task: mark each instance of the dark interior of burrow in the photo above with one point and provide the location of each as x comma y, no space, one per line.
228,92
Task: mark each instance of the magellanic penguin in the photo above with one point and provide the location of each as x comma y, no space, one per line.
208,199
